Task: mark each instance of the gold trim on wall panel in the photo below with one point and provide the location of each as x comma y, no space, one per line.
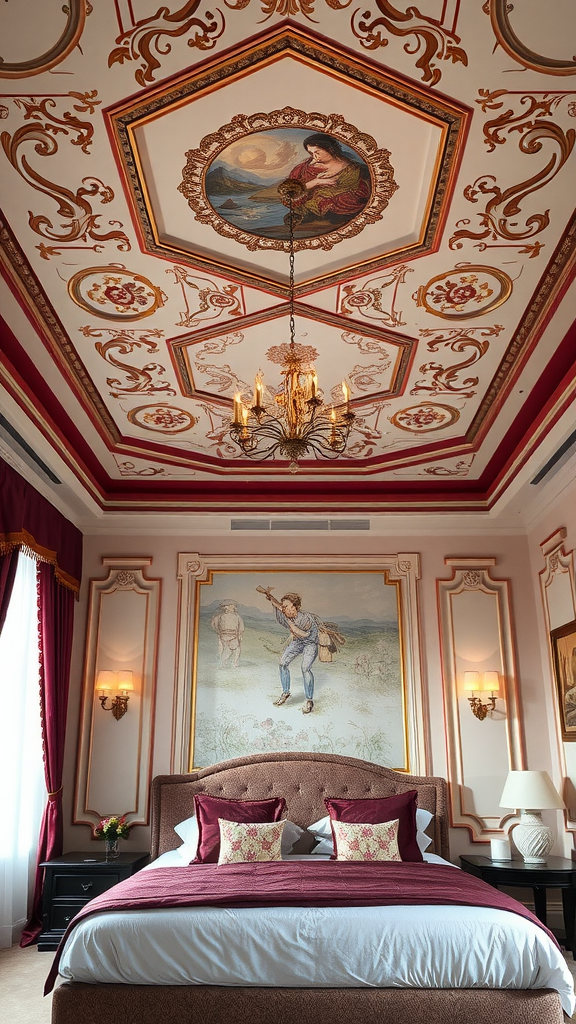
402,569
114,761
464,733
558,592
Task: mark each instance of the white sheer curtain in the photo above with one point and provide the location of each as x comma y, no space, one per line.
23,789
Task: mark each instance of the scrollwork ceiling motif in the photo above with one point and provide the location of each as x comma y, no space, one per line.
138,381
149,39
429,37
80,222
209,301
139,41
447,379
367,299
499,225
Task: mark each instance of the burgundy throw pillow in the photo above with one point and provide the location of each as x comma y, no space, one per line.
210,808
374,810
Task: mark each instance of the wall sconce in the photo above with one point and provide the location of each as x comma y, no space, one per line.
107,683
490,683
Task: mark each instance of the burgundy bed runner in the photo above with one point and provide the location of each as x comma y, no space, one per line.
279,883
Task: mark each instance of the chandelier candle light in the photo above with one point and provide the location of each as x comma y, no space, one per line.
301,422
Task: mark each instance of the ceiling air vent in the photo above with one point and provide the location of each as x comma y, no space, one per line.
562,453
300,524
22,449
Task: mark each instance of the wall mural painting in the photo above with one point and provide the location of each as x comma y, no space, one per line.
563,642
283,662
242,183
231,181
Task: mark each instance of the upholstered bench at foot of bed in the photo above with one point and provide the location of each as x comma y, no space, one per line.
75,1003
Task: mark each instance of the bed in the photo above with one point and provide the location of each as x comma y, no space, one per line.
539,993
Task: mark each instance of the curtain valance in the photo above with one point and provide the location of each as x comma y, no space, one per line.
30,522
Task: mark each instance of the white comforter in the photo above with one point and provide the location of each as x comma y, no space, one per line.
413,947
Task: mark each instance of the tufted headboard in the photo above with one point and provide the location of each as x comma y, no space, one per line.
304,780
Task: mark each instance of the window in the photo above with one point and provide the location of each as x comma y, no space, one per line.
23,792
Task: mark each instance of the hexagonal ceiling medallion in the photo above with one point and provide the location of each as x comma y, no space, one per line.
378,174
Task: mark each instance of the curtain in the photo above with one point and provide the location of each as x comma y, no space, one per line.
8,563
23,792
56,604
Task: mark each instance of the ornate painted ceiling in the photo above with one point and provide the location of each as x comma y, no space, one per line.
145,252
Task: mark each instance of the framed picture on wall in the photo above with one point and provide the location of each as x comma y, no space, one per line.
563,642
299,654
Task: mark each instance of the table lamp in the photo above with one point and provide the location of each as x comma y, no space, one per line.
532,792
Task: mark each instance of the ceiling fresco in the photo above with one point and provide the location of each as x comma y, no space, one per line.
144,244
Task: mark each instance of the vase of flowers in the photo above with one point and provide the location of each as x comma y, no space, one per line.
111,830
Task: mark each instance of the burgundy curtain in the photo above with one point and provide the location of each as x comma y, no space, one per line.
30,523
56,615
8,563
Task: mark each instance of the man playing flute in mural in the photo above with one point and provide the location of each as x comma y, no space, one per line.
304,640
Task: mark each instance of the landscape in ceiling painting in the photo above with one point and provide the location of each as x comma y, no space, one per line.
145,244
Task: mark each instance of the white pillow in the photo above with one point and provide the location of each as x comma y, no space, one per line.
323,831
423,819
187,830
291,834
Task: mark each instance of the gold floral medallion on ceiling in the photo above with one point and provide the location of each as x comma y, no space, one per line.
378,158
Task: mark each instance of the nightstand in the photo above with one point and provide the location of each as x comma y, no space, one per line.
557,873
74,879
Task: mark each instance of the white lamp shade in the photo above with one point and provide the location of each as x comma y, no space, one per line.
491,682
106,681
472,681
530,790
125,681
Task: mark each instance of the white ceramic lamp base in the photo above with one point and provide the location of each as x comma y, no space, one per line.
533,838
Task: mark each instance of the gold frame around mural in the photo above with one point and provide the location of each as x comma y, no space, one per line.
198,163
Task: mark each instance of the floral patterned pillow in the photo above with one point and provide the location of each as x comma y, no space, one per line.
250,841
357,841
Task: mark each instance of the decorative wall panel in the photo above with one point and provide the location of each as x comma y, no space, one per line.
476,635
115,756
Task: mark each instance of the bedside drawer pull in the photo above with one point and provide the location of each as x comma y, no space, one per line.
67,919
86,886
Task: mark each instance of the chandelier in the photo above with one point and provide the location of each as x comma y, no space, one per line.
299,422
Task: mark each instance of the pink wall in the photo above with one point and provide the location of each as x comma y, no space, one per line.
514,555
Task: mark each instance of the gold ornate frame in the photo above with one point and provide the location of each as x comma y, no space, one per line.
562,680
401,569
198,162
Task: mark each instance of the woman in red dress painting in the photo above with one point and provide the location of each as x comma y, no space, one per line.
336,188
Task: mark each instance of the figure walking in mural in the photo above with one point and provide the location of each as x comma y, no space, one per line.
309,637
335,189
229,626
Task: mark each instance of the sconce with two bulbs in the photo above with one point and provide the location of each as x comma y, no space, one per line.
485,682
121,683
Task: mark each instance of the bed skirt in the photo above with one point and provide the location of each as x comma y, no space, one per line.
180,1004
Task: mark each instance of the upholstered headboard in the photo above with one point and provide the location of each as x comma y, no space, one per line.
304,780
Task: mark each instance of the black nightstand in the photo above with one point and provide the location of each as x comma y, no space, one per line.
74,879
557,873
